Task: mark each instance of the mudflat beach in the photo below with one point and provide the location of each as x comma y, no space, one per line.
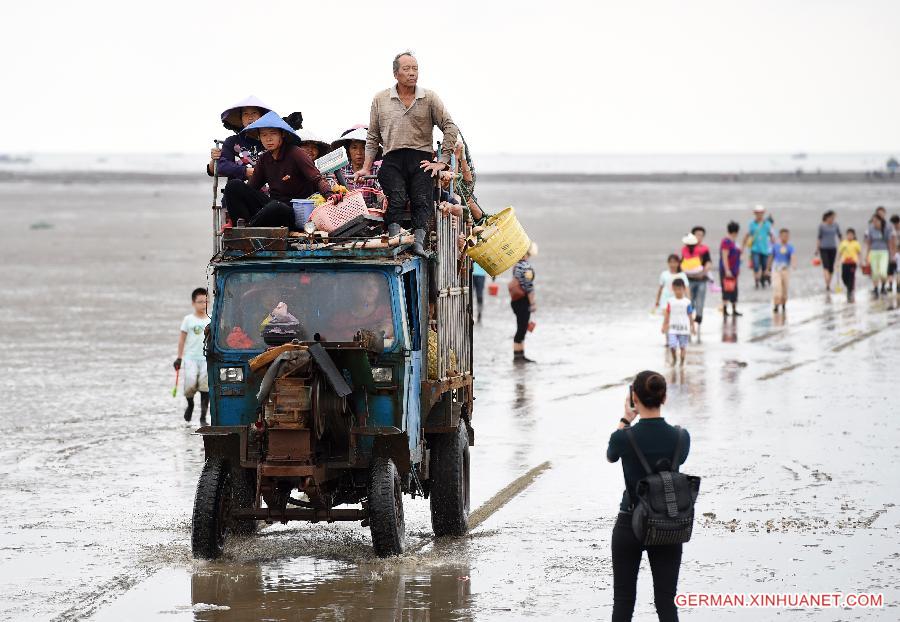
791,418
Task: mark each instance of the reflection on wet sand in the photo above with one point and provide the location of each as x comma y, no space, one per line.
308,588
523,421
729,329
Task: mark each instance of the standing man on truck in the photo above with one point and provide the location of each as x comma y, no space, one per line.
402,119
191,357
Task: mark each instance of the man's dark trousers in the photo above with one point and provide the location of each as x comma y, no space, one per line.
403,180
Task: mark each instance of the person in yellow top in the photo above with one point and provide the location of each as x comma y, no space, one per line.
848,254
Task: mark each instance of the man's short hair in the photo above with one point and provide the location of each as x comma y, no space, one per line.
200,291
399,56
698,228
733,227
895,219
784,231
678,283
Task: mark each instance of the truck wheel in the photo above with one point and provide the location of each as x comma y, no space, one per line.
244,497
450,483
386,508
212,509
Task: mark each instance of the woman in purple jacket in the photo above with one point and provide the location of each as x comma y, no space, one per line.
237,157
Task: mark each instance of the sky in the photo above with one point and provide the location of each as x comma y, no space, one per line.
722,76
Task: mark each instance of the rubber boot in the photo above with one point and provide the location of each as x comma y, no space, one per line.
204,406
189,409
519,357
419,244
393,230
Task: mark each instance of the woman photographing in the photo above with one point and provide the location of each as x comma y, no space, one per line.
657,441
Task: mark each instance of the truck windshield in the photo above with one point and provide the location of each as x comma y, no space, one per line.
334,305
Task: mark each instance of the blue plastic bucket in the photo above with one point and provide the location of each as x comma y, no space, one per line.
303,209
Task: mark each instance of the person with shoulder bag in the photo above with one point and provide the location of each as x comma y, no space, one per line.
522,301
657,509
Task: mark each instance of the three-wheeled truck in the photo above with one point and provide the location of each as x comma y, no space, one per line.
341,378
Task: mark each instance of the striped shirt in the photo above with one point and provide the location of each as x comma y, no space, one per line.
524,274
395,126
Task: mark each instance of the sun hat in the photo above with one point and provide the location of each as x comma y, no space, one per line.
231,117
759,209
309,137
690,240
273,121
357,132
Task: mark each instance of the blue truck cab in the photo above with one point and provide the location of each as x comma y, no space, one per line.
340,379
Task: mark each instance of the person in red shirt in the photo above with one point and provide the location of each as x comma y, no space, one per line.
288,171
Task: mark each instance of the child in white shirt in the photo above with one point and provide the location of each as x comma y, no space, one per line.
678,325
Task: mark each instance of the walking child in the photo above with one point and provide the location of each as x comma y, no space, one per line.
190,355
848,254
666,278
679,324
780,265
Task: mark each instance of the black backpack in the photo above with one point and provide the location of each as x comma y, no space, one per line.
664,507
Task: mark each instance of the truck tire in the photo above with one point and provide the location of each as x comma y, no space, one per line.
386,508
244,496
211,522
449,470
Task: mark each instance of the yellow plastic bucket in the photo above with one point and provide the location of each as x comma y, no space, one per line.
503,249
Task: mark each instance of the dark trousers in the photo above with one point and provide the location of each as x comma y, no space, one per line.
403,181
665,561
478,283
255,207
522,309
848,276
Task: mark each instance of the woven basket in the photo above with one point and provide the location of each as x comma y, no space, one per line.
329,216
501,251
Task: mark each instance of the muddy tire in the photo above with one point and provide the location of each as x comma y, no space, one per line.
386,509
449,471
211,522
244,496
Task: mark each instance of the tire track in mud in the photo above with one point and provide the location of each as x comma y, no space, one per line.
601,387
835,349
830,315
495,503
105,594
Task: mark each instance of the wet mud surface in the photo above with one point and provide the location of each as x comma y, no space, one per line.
792,421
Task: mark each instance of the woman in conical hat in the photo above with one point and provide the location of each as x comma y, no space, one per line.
286,168
237,157
354,142
314,146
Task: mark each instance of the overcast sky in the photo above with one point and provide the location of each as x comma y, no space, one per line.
522,77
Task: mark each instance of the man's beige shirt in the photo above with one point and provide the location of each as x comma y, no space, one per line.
395,126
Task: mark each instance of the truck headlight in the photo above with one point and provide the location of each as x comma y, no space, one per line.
231,374
382,374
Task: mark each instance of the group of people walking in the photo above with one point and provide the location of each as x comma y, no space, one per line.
772,259
878,257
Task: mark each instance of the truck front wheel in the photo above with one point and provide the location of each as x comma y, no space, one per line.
211,522
449,470
386,508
